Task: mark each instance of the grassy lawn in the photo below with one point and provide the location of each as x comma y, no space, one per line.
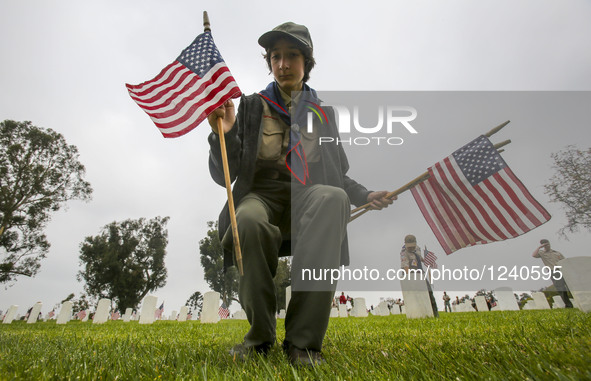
537,345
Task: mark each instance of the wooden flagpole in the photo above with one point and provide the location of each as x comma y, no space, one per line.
366,208
221,133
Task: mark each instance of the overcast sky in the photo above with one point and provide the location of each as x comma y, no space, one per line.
65,64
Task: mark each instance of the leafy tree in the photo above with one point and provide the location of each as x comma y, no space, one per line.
212,261
39,173
282,280
125,261
81,303
571,186
195,301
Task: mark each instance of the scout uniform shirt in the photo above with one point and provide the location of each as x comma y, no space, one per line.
550,258
275,139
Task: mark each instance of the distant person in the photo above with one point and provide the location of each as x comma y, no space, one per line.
446,301
342,298
411,259
550,258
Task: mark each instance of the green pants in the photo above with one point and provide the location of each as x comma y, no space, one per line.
316,218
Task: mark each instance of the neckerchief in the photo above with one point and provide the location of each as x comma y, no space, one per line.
296,157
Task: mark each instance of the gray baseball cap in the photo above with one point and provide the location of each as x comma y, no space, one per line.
293,31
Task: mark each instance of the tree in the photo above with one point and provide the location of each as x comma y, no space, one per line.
212,261
195,301
125,261
39,173
571,186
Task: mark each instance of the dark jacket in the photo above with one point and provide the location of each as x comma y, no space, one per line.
242,148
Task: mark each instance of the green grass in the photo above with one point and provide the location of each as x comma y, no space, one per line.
537,345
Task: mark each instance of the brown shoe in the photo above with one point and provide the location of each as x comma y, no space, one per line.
302,357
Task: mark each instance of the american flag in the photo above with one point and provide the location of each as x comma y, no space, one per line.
115,315
430,259
223,311
472,197
188,90
81,315
159,311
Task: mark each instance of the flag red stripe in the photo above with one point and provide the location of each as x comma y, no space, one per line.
431,214
503,203
482,233
466,232
544,213
481,210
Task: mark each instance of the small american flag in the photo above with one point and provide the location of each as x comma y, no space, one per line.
159,311
81,315
430,259
472,197
223,311
188,90
115,315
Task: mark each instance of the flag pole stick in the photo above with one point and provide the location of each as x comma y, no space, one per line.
424,176
221,133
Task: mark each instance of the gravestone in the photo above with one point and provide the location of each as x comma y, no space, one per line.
558,302
382,309
127,315
541,303
530,305
506,299
101,315
239,315
211,305
481,303
86,316
10,314
65,313
343,311
359,308
395,310
403,310
281,314
576,272
334,312
287,296
34,315
416,298
183,314
454,308
148,311
173,315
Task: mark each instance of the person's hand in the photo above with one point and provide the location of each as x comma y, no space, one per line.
379,201
226,112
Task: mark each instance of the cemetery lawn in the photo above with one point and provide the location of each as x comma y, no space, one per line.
518,345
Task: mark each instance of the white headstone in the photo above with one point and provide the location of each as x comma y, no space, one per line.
403,310
529,305
395,310
211,305
34,315
10,314
506,299
334,312
148,311
85,318
382,309
359,308
173,315
183,314
558,302
287,296
481,303
281,314
65,314
576,272
541,303
101,315
454,308
343,311
416,298
127,315
239,315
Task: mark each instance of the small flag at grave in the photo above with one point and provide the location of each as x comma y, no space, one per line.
223,311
